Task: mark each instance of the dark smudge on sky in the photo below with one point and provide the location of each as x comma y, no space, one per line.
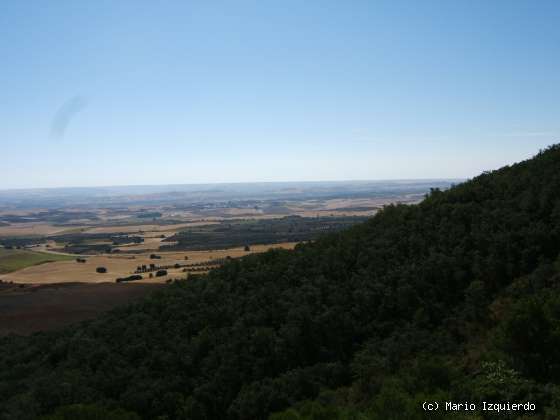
64,115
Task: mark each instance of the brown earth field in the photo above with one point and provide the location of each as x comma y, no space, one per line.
123,266
53,295
26,309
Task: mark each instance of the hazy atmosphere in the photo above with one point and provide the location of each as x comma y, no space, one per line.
138,92
279,210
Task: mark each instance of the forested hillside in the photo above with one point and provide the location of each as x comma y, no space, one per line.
456,298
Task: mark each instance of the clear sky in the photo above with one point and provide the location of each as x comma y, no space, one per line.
160,92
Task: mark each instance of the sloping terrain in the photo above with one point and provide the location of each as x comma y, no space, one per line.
453,299
16,259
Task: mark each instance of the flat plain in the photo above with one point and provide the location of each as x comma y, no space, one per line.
121,265
68,255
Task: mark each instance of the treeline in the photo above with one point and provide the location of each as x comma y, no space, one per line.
228,234
155,267
50,216
457,298
148,215
77,243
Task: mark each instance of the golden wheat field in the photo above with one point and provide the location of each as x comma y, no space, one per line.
123,266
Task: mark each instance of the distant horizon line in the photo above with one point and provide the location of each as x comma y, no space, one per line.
14,189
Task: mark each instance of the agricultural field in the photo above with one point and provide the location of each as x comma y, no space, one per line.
25,309
32,229
232,233
17,259
69,270
69,255
118,229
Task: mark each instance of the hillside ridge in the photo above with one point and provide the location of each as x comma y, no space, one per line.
455,298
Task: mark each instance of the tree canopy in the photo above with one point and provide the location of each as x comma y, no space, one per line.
455,298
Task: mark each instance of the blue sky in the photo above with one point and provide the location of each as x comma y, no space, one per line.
144,92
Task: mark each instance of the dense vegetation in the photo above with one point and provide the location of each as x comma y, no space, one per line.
76,242
50,216
456,298
149,215
133,277
228,234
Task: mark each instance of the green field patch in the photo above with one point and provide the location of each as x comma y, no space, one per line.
16,259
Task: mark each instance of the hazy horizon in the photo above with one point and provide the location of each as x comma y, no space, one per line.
239,183
137,92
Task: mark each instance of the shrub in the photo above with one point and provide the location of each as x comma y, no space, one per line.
129,278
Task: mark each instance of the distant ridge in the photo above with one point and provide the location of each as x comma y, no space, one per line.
189,193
